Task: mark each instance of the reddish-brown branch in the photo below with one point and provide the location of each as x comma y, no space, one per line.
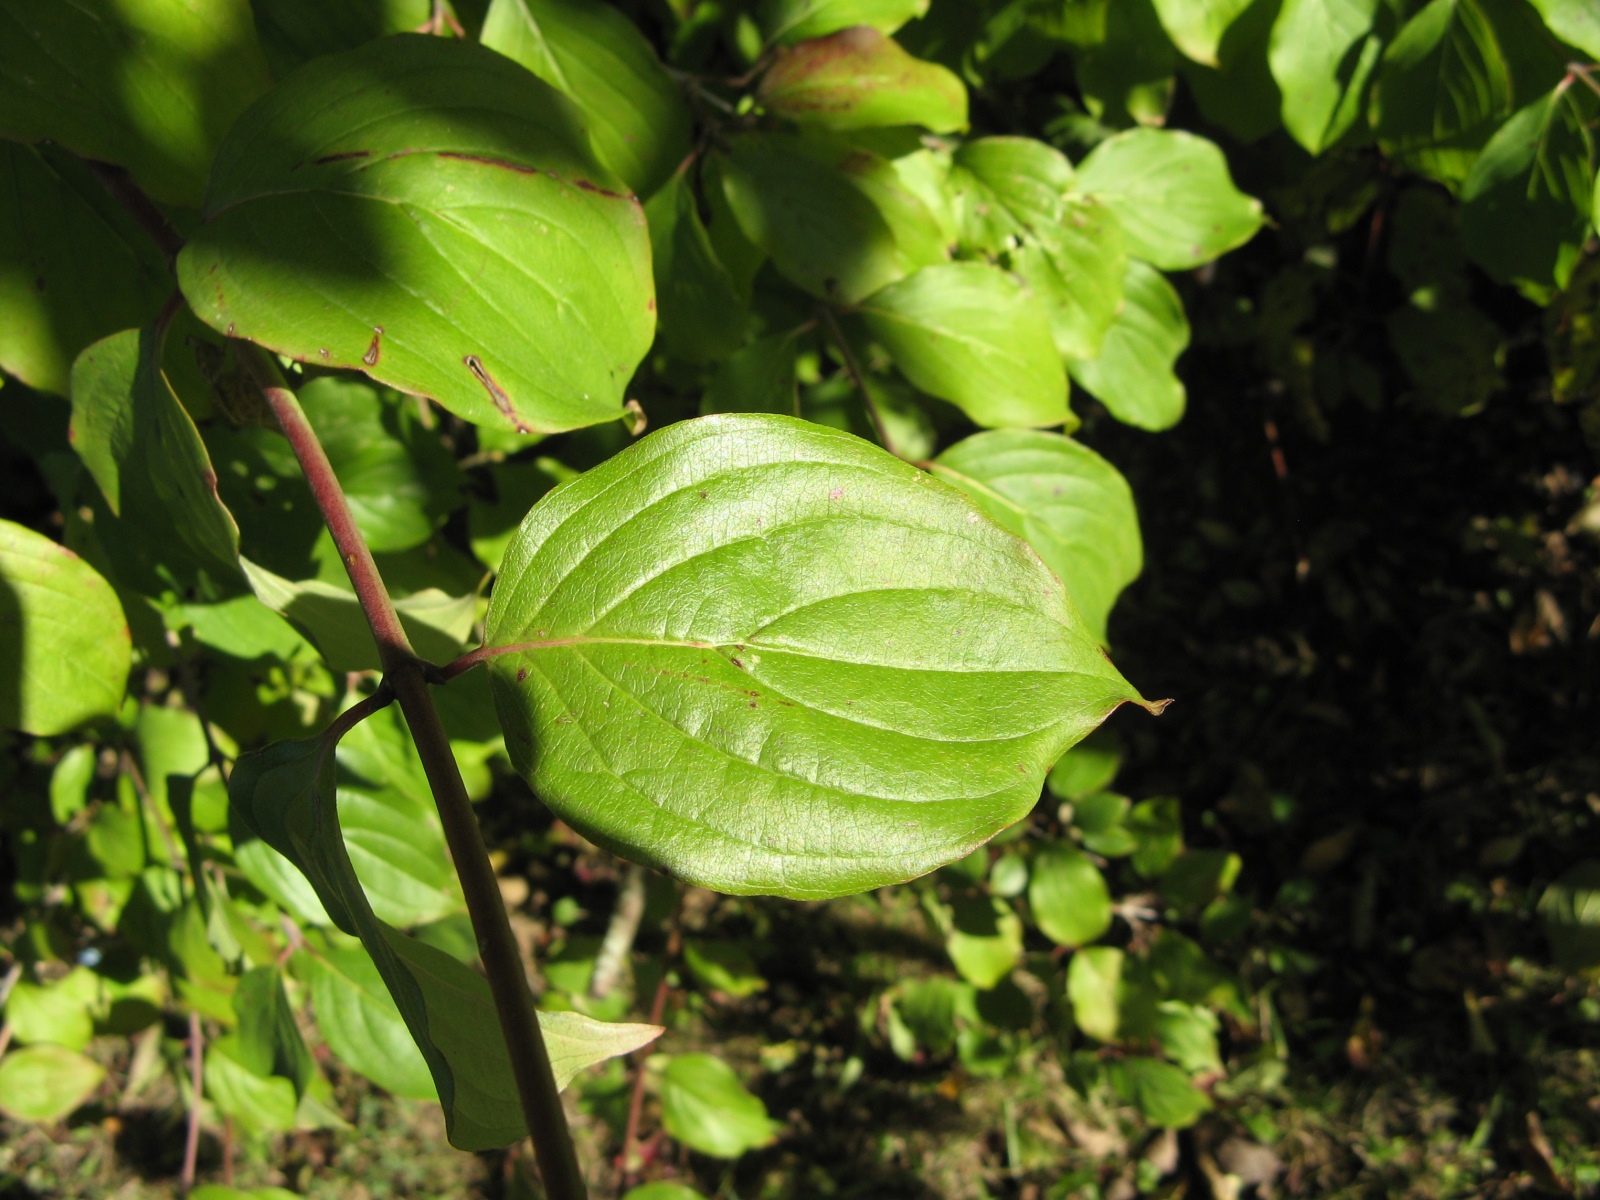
408,677
191,1137
658,1010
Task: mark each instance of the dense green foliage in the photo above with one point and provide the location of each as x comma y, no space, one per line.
757,651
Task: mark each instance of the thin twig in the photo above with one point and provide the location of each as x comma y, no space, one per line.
658,1010
853,369
620,933
408,676
191,1137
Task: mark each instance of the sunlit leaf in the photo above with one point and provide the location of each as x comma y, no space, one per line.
860,79
1020,204
969,333
801,666
1196,26
705,1107
1133,375
985,939
1322,54
1068,896
45,1083
796,20
1067,502
352,221
1094,980
65,649
1172,195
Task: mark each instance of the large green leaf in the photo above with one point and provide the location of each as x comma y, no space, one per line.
597,57
45,1083
1133,375
73,266
705,1107
770,657
144,451
1019,204
969,333
1443,87
1068,896
796,20
285,793
1576,22
702,309
1528,198
428,212
836,222
1067,502
65,649
1196,26
1172,194
399,479
152,87
860,79
1322,54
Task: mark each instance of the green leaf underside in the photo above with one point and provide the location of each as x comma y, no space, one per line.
1064,500
1133,375
597,58
1173,196
771,658
65,649
73,269
151,87
969,333
284,794
428,212
860,79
